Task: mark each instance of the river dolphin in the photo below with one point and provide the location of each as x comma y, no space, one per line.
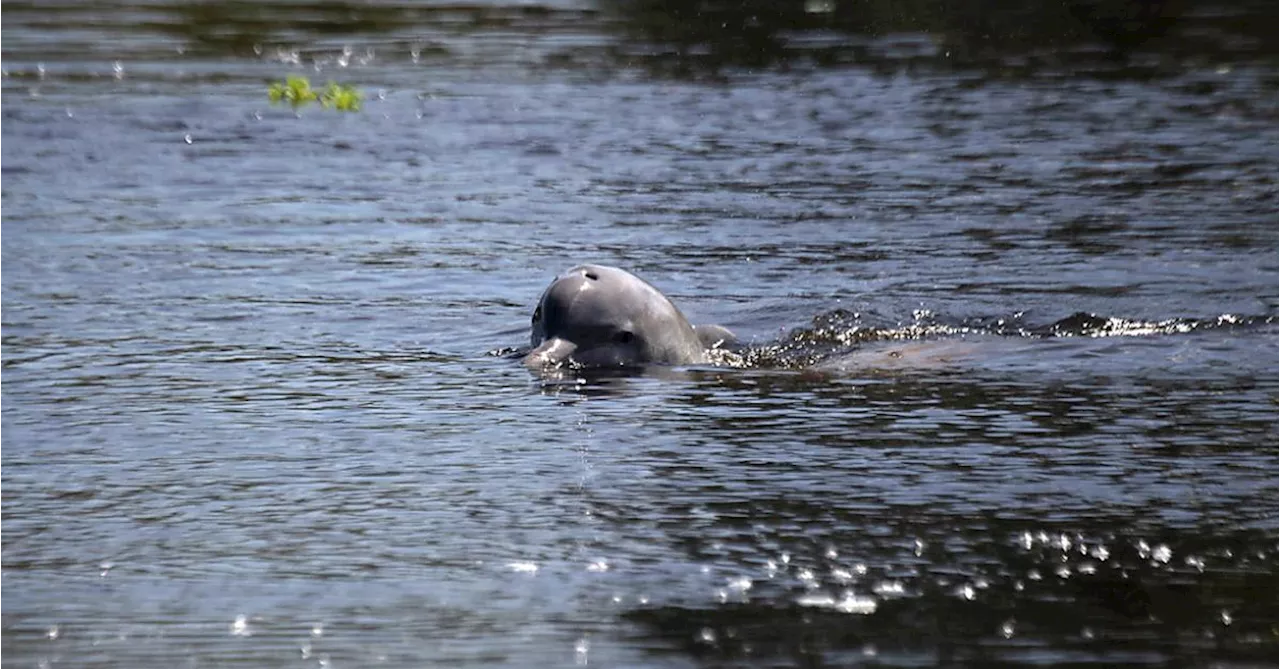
599,316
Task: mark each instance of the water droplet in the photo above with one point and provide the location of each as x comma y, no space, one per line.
1086,634
599,565
117,69
707,635
1162,553
240,627
317,630
187,138
1226,617
1007,629
580,649
53,633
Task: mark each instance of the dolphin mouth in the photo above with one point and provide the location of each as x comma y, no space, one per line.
552,353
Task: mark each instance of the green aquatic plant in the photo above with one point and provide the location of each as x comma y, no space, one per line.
297,92
342,98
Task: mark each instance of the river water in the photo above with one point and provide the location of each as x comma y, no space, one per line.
1009,395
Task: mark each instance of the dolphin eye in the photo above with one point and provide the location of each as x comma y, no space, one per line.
624,337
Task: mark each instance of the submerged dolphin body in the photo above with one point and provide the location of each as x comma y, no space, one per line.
599,316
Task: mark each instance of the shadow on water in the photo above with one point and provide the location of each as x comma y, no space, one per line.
1132,610
1008,38
244,28
1132,39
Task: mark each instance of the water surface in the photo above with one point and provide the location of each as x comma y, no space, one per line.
257,410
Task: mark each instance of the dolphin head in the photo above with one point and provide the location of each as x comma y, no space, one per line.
598,316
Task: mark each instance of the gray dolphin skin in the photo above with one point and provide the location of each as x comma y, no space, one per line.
599,316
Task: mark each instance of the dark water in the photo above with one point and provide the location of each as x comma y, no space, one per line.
257,412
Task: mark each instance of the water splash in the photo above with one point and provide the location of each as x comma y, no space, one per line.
841,331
